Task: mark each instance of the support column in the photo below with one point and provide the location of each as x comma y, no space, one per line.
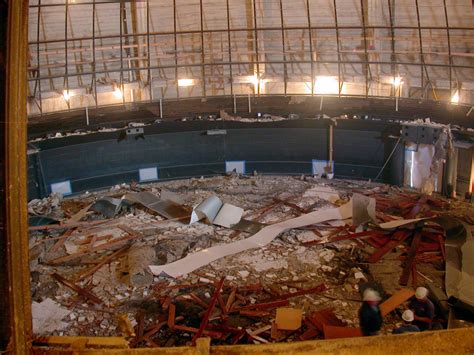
15,308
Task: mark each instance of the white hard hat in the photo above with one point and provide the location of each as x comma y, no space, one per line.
408,316
371,295
421,293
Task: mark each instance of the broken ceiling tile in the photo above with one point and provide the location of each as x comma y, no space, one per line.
244,274
47,317
363,209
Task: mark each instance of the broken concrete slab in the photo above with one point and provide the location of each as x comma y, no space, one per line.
170,250
139,257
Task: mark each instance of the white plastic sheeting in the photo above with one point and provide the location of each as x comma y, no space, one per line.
258,240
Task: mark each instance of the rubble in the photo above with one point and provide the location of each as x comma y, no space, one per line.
94,265
139,257
48,316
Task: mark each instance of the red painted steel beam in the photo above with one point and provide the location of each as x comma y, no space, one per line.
399,237
410,260
212,304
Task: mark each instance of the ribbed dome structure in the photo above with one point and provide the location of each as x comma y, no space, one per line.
87,53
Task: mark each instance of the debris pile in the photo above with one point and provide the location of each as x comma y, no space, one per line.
302,262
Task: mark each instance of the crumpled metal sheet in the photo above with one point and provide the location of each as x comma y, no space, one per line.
165,208
217,212
459,260
108,206
248,226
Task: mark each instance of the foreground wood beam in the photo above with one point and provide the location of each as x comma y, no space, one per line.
455,341
13,192
83,342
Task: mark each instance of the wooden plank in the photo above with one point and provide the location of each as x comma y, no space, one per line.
79,215
81,291
212,334
171,315
324,317
166,303
66,226
107,342
15,317
266,305
397,299
333,332
212,304
410,260
113,243
256,314
288,318
198,300
230,300
60,242
101,263
222,305
318,289
398,238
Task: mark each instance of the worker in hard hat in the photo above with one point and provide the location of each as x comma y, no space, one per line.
422,308
370,317
408,327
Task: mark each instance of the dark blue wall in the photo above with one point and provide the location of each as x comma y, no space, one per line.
184,149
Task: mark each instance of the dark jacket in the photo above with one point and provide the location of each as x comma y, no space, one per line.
424,309
370,319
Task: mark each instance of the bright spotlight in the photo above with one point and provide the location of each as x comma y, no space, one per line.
66,95
254,80
397,81
118,93
326,85
185,82
455,97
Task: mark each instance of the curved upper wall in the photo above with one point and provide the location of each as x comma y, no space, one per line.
86,53
183,149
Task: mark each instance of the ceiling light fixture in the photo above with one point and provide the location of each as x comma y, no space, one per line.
66,95
326,85
397,81
455,97
185,82
118,93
